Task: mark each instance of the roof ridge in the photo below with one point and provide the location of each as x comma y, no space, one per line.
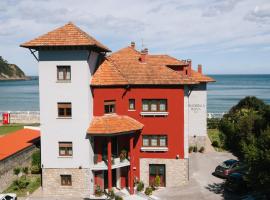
119,71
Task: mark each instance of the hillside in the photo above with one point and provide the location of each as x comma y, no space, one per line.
10,71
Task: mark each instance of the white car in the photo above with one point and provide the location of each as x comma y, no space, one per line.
8,196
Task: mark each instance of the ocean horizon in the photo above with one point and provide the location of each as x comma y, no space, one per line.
23,95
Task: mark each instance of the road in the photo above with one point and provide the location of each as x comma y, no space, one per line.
202,184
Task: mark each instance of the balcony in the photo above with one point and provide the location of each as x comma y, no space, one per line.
103,165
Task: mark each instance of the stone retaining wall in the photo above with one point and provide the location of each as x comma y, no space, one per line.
20,159
176,170
82,184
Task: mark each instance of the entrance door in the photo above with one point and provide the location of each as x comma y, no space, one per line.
157,170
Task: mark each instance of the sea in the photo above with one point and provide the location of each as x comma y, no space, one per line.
222,95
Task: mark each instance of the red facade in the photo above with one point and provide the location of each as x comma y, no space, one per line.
171,125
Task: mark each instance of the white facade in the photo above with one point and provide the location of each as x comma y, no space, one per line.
78,92
195,113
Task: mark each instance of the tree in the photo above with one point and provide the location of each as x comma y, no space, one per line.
246,133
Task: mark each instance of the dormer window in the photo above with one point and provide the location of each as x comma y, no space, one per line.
109,107
63,73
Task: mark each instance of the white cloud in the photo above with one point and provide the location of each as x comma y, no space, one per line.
176,27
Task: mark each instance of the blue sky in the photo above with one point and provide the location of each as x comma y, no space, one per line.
225,36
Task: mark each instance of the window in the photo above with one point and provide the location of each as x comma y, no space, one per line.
64,109
154,141
66,180
109,107
63,73
157,170
131,104
154,105
65,149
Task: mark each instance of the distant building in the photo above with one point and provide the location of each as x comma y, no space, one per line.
108,120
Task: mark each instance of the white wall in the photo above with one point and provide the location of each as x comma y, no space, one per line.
197,105
79,94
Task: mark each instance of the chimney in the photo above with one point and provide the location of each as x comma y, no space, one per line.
200,68
143,56
189,61
146,51
132,44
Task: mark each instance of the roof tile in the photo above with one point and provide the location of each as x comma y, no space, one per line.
67,35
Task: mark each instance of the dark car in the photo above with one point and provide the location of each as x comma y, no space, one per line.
228,167
236,183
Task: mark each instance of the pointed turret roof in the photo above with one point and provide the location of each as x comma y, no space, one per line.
68,35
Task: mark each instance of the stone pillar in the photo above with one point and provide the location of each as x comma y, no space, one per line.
131,173
109,154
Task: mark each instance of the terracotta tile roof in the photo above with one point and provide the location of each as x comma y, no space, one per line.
67,35
128,65
201,77
17,141
113,124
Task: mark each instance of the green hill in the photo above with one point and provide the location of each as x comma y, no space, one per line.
10,71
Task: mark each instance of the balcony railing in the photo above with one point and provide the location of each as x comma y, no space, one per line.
103,164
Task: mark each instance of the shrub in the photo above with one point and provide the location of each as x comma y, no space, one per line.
195,149
25,170
35,169
36,160
118,197
123,155
202,149
16,171
157,181
98,191
148,191
21,183
190,149
215,143
140,186
110,194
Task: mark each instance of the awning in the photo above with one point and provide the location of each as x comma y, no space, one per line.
113,124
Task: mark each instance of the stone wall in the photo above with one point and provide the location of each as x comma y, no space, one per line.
176,170
81,182
20,159
24,117
198,141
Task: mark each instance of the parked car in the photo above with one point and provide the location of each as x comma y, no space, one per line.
228,167
255,196
236,183
8,196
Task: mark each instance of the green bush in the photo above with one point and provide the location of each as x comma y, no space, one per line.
202,149
98,191
25,170
148,191
110,194
195,149
36,160
190,149
16,171
21,183
215,144
140,186
213,123
157,181
35,169
118,197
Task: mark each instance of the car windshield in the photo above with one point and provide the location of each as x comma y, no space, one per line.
227,164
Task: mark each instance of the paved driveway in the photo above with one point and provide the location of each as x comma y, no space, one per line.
202,184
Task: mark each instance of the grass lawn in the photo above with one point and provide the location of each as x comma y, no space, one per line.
214,135
5,129
34,182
